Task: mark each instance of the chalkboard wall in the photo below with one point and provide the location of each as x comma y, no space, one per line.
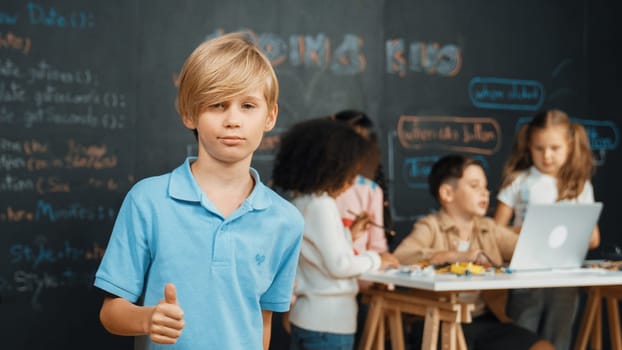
87,94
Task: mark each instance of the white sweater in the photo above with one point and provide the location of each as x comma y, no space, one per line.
326,278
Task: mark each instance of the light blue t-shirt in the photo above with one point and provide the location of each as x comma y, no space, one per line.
225,270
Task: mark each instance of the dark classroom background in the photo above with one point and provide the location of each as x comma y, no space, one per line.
87,108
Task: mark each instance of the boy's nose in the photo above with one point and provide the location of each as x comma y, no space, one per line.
232,118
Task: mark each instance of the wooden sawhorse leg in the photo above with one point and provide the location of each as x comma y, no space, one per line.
375,328
430,329
591,323
590,314
612,295
396,329
374,324
440,314
613,315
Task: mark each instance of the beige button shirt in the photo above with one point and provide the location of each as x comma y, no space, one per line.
437,233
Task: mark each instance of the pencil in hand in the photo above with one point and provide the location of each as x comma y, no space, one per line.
386,229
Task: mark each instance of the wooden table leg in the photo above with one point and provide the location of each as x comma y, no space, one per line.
449,336
587,321
386,309
396,329
430,329
596,335
370,331
461,341
380,335
613,316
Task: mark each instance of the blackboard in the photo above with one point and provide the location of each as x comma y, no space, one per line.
87,95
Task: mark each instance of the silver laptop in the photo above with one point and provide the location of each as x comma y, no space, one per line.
555,236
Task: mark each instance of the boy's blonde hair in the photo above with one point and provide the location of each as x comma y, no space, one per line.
222,68
579,164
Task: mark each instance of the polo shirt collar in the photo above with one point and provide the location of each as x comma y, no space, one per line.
183,186
445,222
259,198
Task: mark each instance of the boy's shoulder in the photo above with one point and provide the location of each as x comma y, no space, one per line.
281,207
432,222
150,185
279,203
177,183
488,222
441,221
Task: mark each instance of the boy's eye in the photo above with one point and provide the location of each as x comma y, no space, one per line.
478,186
248,106
217,106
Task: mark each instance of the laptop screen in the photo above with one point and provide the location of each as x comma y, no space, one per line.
555,236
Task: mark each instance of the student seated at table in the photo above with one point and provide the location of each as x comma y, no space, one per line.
459,232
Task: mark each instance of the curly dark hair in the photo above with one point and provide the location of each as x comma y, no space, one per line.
356,119
361,123
318,155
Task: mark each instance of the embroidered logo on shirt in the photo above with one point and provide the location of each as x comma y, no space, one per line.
260,259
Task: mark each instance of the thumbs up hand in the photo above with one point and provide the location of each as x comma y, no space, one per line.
167,318
170,294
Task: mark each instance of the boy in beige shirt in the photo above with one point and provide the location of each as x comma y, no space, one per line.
459,232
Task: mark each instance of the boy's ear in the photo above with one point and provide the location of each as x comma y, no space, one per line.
446,193
189,122
271,119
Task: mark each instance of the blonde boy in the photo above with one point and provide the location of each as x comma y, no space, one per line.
201,257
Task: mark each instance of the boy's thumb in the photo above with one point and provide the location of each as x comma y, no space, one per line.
170,293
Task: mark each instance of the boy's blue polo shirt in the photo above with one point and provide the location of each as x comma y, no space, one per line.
225,270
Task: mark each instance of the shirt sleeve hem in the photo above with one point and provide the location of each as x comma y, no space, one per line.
275,307
113,289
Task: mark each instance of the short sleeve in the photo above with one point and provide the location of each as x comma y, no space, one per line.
126,260
278,295
509,195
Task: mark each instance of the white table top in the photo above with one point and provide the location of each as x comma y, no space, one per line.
532,279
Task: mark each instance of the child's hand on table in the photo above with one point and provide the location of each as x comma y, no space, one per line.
388,260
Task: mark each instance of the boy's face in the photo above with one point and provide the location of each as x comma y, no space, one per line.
230,131
469,195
